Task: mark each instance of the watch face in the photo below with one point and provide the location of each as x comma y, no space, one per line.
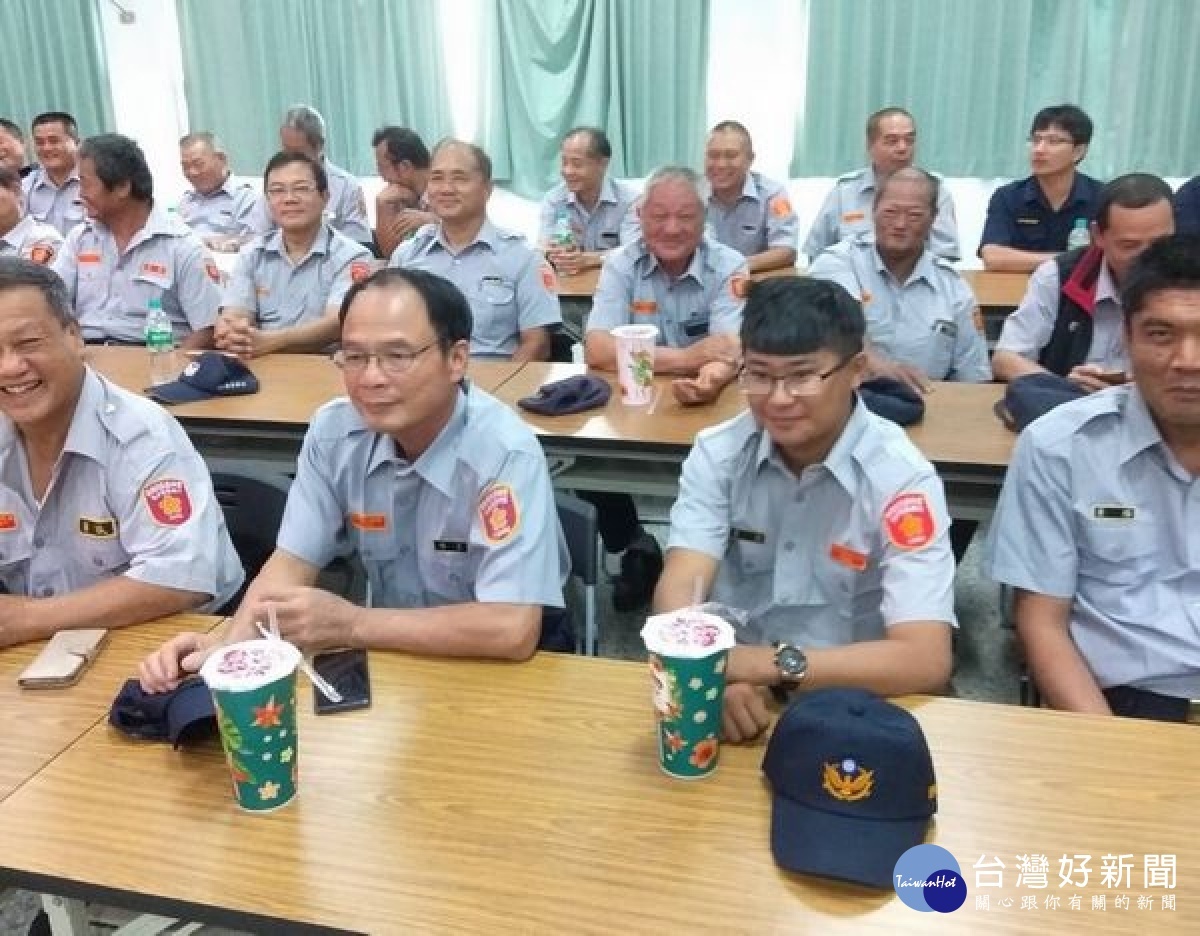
791,662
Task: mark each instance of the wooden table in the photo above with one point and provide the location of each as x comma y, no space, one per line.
490,797
39,724
641,449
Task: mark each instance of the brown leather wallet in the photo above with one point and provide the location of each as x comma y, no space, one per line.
63,660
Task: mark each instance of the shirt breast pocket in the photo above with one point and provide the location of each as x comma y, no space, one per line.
15,553
498,302
103,557
147,286
1118,571
449,568
695,329
941,349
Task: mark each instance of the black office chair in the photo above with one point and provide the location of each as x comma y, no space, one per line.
562,344
253,506
579,524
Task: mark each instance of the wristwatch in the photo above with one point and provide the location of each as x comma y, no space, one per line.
791,663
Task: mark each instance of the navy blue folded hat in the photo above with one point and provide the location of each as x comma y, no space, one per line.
853,786
572,395
1033,395
185,714
892,399
210,375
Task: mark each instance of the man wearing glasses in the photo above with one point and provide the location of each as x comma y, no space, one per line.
1029,220
287,285
818,519
439,488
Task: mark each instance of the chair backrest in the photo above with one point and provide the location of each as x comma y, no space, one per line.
579,524
253,506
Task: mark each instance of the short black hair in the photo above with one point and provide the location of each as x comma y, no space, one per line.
789,315
1074,122
403,145
14,129
597,141
1135,190
876,118
1169,263
61,117
119,159
448,310
483,162
284,158
913,174
733,126
17,273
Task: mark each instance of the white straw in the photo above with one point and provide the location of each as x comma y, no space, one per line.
315,678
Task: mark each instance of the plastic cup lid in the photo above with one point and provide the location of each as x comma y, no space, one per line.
687,633
248,665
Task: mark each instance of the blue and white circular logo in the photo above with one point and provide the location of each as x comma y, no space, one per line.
928,878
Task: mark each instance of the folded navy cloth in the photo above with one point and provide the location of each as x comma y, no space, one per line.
572,395
186,714
892,399
1033,395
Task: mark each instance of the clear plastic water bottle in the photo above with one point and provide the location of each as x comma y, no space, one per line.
1079,236
160,344
564,236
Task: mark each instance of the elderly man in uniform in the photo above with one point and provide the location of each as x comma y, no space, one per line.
746,210
599,212
511,288
107,513
22,235
12,148
402,161
129,253
690,287
303,131
440,489
287,286
817,518
1098,523
52,188
891,145
215,207
921,315
1070,322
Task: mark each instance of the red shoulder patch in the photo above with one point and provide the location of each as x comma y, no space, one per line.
549,280
359,271
908,521
780,206
168,502
8,522
499,513
739,285
42,254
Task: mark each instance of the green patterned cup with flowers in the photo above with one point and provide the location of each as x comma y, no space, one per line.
688,650
253,684
635,362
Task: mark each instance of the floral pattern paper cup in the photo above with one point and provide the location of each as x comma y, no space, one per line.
253,684
688,650
635,362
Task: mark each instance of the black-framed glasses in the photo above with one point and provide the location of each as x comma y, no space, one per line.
395,362
794,385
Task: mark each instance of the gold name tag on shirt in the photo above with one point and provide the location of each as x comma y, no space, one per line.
105,528
453,546
1113,512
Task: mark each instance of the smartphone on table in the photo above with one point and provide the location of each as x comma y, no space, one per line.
347,671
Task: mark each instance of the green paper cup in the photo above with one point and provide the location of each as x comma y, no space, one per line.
688,651
253,684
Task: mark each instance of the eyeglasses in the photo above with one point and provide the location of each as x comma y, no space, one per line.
1048,139
794,385
302,190
395,362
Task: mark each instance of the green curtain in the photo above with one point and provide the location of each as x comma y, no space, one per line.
361,63
974,72
635,68
53,59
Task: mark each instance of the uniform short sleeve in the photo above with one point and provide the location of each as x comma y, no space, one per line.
970,346
240,292
244,204
314,522
1027,330
537,295
823,232
546,218
631,224
701,514
66,264
1000,227
610,304
1031,544
259,218
351,212
918,582
523,562
782,223
350,256
725,313
943,239
196,285
835,267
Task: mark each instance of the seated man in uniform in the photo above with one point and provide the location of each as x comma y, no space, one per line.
691,288
287,286
402,161
303,131
129,253
1070,321
12,148
1187,207
1096,527
891,145
597,211
921,315
1029,220
817,518
439,488
746,210
215,207
52,189
511,288
21,234
107,514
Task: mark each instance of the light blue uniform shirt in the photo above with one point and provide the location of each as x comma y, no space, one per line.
61,207
849,210
31,239
1027,330
111,290
927,322
634,289
226,211
509,285
346,211
1096,509
761,218
279,293
130,497
810,557
472,519
610,224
